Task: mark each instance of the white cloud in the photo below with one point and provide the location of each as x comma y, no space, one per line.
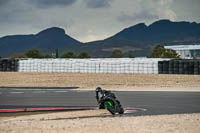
164,10
170,14
139,16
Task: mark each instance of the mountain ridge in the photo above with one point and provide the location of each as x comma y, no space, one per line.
140,38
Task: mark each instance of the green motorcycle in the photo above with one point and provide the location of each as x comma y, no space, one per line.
107,100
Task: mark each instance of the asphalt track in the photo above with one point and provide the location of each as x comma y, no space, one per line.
154,102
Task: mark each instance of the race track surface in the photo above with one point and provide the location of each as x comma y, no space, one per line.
153,101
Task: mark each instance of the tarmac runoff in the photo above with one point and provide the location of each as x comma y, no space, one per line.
37,90
138,102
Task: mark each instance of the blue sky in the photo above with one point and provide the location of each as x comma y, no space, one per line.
89,20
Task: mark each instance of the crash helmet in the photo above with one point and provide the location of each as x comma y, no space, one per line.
98,89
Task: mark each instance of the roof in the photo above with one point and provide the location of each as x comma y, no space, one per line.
184,47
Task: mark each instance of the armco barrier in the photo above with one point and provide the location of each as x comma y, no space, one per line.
8,65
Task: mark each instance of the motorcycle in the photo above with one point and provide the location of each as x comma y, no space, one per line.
107,100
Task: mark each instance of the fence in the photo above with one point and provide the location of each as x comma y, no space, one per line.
8,65
109,65
179,67
105,65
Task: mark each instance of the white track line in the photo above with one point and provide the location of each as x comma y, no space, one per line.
39,92
82,90
16,92
61,91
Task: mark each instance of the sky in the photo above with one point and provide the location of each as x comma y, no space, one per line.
90,20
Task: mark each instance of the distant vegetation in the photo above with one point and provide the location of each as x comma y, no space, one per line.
160,52
69,55
117,54
84,55
130,55
32,53
73,55
35,53
157,52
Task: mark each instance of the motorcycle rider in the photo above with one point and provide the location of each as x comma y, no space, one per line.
100,93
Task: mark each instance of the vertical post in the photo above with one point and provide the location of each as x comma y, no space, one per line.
57,54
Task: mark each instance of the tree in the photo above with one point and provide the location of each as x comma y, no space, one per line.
117,54
69,55
169,53
160,52
84,55
33,53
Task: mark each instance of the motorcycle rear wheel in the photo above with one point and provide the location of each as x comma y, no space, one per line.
121,111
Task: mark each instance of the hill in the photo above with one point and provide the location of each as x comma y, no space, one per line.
138,39
46,41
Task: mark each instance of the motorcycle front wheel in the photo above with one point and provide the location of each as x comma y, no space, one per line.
110,107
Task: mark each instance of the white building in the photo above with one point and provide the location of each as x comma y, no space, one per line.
186,51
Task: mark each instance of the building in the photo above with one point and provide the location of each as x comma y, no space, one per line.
186,51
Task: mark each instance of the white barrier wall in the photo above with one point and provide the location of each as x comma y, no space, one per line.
106,65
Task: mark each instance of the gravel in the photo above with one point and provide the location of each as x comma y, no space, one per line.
98,121
108,81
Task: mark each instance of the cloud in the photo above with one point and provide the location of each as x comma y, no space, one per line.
171,15
148,11
52,3
164,9
163,2
143,15
4,2
88,20
12,11
98,3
